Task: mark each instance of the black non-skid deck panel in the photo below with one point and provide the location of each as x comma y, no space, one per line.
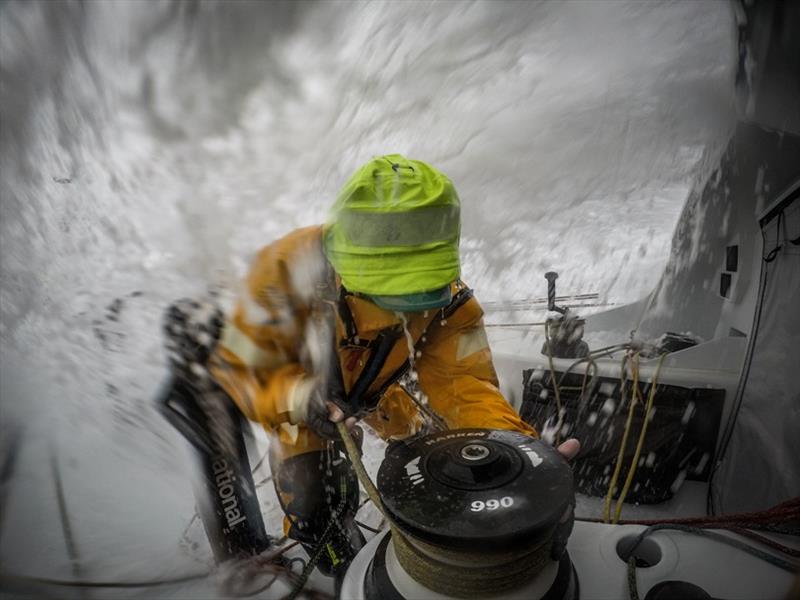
679,442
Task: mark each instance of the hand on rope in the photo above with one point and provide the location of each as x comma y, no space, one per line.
319,400
318,404
323,415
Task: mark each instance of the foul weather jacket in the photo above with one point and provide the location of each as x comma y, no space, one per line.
266,357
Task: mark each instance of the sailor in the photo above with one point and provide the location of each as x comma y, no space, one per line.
363,318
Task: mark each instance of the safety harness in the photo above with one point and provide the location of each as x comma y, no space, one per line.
359,400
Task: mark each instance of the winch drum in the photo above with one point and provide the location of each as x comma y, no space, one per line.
475,512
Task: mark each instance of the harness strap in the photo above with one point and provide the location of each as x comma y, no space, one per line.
384,343
459,300
346,315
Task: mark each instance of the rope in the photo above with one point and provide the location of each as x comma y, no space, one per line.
556,391
640,443
727,433
100,584
272,562
313,559
264,482
618,466
522,303
764,540
361,472
367,527
260,462
718,537
589,358
516,325
79,583
781,518
472,576
333,524
635,398
435,420
589,364
632,587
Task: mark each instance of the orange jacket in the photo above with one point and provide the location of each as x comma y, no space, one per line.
266,355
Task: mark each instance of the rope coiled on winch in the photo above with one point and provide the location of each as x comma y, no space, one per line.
475,574
448,571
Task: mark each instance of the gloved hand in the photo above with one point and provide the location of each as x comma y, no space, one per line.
320,417
313,402
191,331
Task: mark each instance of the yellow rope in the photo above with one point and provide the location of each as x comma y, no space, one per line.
618,466
361,472
636,397
640,443
589,364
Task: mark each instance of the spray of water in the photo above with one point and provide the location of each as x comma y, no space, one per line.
148,149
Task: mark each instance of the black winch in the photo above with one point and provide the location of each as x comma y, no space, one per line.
479,512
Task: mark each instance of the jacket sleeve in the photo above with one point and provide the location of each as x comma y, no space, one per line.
457,374
258,360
